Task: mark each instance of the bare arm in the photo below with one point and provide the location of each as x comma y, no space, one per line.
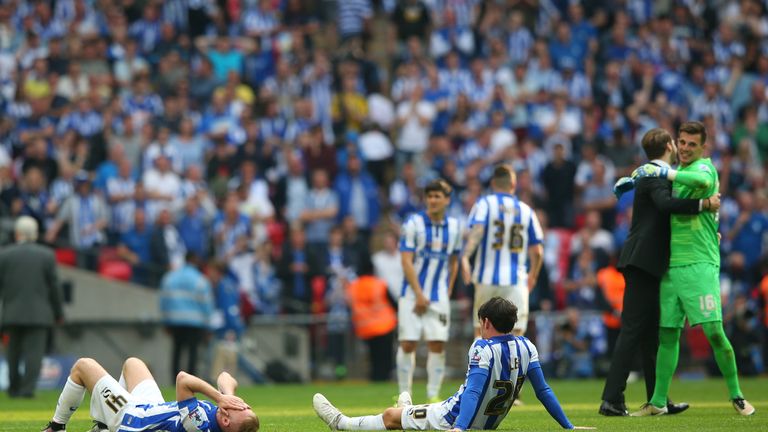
188,385
226,383
473,240
536,257
453,267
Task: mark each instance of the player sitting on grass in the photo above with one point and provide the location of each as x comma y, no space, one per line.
136,404
498,366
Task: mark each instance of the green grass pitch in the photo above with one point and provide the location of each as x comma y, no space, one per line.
289,407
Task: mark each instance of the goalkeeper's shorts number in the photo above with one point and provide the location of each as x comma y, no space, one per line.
707,302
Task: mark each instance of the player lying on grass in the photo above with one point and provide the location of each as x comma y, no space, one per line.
135,403
498,366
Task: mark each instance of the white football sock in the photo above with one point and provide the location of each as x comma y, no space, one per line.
405,364
69,400
435,373
374,422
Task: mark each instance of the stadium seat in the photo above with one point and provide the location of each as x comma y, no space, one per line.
66,257
117,270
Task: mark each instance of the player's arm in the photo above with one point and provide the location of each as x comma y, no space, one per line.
453,267
473,240
535,258
663,200
188,385
546,396
226,383
470,399
693,179
406,258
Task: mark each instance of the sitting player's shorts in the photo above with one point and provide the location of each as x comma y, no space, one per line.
517,294
425,417
691,291
432,324
110,400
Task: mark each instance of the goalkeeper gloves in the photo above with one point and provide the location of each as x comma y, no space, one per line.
650,170
624,185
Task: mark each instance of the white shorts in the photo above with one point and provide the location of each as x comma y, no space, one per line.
425,417
432,325
517,294
110,400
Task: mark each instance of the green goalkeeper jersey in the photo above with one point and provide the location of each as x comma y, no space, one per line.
694,237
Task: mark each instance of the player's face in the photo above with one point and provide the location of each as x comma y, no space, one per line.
437,202
689,148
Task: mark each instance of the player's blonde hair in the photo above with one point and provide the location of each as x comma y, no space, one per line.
250,424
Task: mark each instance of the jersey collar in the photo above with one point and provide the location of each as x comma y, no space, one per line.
660,163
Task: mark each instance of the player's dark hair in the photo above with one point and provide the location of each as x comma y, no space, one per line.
503,177
438,185
655,143
694,128
500,312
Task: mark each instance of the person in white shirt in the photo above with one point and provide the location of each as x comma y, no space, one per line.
162,186
415,117
387,265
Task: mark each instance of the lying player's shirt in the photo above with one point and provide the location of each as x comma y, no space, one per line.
188,415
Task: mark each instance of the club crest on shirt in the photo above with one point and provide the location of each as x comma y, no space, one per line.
474,359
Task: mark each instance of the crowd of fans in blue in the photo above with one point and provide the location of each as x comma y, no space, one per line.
288,138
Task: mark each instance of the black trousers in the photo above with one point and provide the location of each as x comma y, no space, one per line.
639,334
26,346
380,351
185,339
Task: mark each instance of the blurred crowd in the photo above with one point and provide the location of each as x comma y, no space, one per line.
289,138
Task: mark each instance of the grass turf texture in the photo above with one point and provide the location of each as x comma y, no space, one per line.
289,407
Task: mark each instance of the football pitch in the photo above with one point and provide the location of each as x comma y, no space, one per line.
289,407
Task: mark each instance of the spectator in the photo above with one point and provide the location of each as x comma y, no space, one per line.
292,189
193,227
167,250
135,248
186,303
358,195
558,180
230,226
320,211
162,185
86,215
227,321
293,271
387,264
32,303
415,117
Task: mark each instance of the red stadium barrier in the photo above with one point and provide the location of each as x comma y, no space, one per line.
117,270
66,257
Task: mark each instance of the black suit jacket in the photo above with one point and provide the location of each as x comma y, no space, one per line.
29,291
647,246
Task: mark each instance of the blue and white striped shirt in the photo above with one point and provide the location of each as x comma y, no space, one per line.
511,227
433,245
188,415
506,359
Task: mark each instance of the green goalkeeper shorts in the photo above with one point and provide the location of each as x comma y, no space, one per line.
691,291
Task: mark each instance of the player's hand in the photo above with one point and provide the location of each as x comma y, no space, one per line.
650,170
422,304
232,402
624,185
455,430
714,202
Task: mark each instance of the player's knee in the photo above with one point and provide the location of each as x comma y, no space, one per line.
715,335
132,362
436,347
408,347
83,363
391,418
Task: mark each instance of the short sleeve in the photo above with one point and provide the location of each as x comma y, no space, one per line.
479,213
535,233
408,236
480,355
533,353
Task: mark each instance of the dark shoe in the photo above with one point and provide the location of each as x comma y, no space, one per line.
613,409
676,408
52,426
98,427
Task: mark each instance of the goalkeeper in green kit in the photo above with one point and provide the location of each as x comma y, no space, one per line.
691,287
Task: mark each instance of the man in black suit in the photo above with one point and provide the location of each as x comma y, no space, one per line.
31,302
644,260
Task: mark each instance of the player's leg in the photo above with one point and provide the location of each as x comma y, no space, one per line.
435,369
140,382
331,415
409,330
436,324
518,295
483,293
724,355
671,322
83,376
